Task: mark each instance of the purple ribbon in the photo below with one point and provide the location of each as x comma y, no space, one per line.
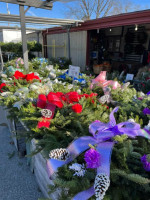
102,135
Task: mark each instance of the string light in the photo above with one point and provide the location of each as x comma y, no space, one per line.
136,27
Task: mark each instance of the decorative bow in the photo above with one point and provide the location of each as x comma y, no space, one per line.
102,136
100,80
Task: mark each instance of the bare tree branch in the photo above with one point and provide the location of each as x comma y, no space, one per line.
87,9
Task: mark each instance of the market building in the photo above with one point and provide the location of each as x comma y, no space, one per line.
109,43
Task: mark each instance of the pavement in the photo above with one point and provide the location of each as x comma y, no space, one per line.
17,182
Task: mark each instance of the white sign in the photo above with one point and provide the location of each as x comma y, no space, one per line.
129,77
74,71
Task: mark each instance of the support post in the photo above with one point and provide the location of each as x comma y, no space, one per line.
38,41
24,37
1,57
68,33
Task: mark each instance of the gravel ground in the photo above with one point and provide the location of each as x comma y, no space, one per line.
16,180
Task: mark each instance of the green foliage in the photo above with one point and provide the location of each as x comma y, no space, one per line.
128,178
62,63
17,47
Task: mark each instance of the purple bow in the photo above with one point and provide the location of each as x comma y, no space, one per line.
102,136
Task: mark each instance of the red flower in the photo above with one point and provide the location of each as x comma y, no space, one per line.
44,123
42,100
30,77
61,96
77,108
54,99
84,95
72,97
19,75
1,86
93,95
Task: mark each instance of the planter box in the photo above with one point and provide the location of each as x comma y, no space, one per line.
37,163
16,129
38,166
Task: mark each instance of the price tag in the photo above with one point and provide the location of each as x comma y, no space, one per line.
74,71
129,77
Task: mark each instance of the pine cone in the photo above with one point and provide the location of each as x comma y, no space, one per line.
101,185
46,113
59,154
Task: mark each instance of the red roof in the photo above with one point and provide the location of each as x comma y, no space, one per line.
140,17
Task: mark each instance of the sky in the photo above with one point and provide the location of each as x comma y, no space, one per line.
58,10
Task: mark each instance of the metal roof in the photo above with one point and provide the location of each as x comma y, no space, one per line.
18,28
125,19
38,20
32,3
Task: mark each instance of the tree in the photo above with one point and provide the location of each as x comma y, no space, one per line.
122,6
87,9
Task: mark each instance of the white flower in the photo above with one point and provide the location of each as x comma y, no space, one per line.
56,80
49,67
142,94
79,91
70,86
6,94
78,168
46,80
36,74
148,126
3,75
131,120
52,75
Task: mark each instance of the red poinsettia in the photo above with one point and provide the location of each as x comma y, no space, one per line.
44,123
84,95
61,96
1,86
72,97
77,108
93,95
54,99
19,75
31,76
28,77
41,101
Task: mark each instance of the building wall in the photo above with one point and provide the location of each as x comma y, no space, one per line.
34,36
12,35
58,47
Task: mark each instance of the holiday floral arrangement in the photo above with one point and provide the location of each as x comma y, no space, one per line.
76,128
